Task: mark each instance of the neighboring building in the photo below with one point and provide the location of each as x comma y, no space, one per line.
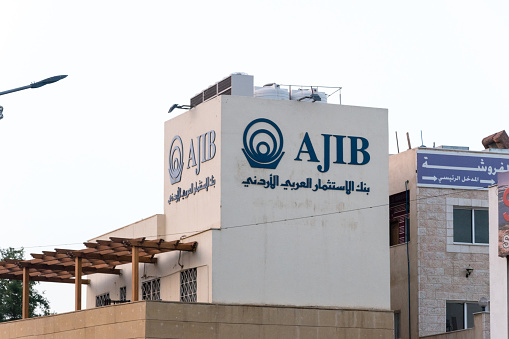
286,199
444,193
499,264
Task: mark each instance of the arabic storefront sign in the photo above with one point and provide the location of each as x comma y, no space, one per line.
440,169
503,214
273,182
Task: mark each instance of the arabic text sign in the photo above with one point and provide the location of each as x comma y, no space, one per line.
440,169
273,182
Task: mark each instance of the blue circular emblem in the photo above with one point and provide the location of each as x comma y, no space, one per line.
263,144
176,159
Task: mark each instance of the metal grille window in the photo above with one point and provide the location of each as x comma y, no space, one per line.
102,300
188,285
470,225
151,289
123,293
398,216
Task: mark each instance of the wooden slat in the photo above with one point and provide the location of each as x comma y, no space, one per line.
101,256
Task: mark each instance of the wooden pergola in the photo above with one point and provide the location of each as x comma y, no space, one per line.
102,256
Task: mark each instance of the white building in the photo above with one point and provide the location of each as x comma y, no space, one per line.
287,200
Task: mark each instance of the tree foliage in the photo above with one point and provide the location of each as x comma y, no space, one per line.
11,293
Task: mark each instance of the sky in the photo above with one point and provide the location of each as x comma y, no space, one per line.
84,156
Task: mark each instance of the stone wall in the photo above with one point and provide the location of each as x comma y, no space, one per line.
441,263
158,319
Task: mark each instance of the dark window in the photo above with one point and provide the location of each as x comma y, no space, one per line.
397,217
102,300
123,293
458,314
470,225
397,325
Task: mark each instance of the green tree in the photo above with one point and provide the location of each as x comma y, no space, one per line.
11,293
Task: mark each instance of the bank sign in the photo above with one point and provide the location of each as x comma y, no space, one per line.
263,143
190,156
263,147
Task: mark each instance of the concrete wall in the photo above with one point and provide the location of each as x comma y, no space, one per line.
152,227
305,246
272,245
167,269
321,245
402,167
177,320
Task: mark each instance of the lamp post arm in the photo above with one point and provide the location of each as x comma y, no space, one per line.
36,84
14,90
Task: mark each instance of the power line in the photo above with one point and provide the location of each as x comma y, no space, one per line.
194,232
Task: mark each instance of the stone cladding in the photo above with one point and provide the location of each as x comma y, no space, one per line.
441,262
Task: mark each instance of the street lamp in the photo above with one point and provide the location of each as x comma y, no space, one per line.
32,85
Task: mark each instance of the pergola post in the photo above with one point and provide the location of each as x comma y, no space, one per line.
77,283
26,293
136,272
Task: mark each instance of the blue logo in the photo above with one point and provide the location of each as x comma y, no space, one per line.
268,138
176,160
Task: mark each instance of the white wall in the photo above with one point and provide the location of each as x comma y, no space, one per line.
498,275
308,247
303,247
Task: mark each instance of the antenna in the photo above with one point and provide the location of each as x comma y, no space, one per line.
408,139
397,143
422,142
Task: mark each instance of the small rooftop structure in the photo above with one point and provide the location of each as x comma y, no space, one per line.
497,140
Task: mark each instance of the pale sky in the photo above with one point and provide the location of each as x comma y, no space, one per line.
84,156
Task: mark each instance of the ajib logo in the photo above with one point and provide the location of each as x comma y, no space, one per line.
203,150
263,144
176,161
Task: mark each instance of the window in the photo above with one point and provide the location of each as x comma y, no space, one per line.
102,300
397,325
470,225
151,289
397,216
123,293
188,285
459,314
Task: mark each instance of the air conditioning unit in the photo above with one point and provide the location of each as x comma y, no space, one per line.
236,84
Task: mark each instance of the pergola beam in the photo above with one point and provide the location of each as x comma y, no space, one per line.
102,256
44,278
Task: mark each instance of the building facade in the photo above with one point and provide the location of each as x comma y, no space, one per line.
287,200
444,193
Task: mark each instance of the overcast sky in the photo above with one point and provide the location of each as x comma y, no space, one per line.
85,156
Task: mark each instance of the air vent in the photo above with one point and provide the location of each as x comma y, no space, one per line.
196,100
236,84
210,92
224,84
